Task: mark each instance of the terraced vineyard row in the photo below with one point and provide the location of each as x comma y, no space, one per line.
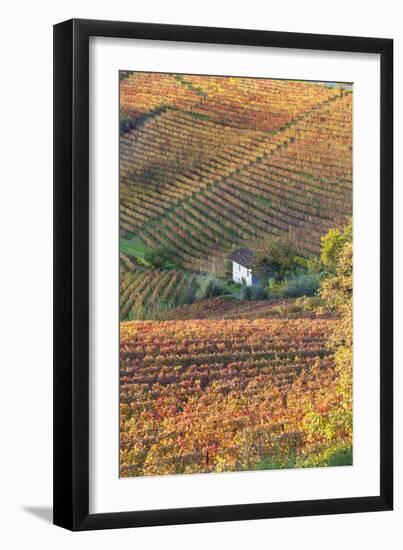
214,395
142,93
262,104
174,156
223,308
142,289
267,105
225,186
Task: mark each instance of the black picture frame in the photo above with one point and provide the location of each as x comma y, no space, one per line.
71,274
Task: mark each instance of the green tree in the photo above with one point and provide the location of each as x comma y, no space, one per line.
336,291
332,245
278,254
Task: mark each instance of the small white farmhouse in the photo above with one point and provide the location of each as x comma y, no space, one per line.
242,261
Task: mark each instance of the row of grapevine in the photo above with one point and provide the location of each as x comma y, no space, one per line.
214,395
224,308
299,183
174,143
262,104
175,156
145,92
145,292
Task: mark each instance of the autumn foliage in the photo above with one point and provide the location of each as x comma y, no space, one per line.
215,395
236,159
216,381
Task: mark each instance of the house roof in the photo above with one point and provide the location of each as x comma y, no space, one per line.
243,256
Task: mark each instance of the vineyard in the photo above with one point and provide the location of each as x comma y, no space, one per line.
141,289
223,308
215,395
217,374
232,160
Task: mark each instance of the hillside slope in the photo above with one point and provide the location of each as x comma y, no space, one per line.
208,164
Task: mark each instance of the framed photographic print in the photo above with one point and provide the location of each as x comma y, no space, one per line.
223,320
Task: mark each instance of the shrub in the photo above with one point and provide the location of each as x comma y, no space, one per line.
310,304
254,293
275,288
304,284
160,258
187,296
313,264
210,287
278,254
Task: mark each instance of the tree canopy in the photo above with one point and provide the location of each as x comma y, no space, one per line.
332,245
279,255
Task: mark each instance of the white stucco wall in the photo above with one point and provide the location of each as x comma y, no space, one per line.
240,273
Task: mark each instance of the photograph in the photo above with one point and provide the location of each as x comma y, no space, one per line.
236,273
